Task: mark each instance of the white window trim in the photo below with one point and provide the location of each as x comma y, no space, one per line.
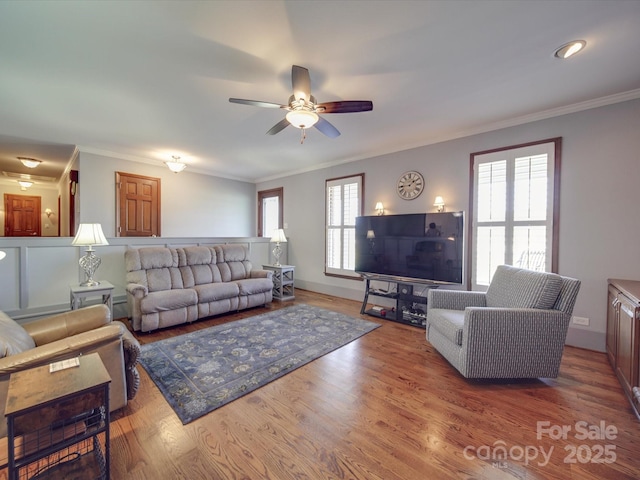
552,148
359,179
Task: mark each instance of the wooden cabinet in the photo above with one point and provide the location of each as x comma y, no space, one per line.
58,421
623,336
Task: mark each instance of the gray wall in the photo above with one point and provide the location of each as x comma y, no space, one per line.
193,204
599,221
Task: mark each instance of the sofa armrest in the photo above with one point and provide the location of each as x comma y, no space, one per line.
513,326
61,349
137,290
505,342
57,327
131,351
455,299
261,274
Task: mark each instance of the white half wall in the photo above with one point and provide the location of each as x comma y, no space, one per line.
36,273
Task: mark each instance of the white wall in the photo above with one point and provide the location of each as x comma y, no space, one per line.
599,221
48,199
192,204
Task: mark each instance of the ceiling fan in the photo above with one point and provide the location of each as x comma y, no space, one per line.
302,109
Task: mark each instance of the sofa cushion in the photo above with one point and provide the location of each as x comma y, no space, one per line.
197,255
513,287
213,292
150,257
448,322
231,253
13,338
250,286
168,300
161,279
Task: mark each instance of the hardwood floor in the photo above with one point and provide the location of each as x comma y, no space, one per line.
386,406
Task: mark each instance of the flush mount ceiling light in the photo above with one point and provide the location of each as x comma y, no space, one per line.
569,49
30,162
176,165
24,184
302,118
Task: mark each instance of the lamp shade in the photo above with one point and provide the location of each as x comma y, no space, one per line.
279,236
89,234
2,254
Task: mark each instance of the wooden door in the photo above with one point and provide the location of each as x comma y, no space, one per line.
138,205
22,216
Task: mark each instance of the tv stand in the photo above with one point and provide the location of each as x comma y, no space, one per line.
410,308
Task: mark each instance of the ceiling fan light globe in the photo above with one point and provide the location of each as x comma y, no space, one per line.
302,118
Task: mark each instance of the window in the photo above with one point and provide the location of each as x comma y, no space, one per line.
269,211
343,204
514,209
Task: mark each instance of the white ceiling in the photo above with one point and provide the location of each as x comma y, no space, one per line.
145,80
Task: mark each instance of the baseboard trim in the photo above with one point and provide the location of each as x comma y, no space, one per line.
588,339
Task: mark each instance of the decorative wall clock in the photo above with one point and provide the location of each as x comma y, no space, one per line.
410,185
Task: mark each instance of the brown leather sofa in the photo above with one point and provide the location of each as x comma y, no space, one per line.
67,335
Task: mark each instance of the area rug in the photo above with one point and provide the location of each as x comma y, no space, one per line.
204,370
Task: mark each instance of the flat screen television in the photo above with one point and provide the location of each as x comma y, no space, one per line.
421,247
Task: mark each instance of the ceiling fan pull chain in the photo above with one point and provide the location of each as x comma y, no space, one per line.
303,136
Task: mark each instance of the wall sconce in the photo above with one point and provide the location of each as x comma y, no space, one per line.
48,212
379,208
176,166
371,236
278,237
2,254
439,203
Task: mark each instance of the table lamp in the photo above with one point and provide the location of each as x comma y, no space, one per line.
89,234
278,237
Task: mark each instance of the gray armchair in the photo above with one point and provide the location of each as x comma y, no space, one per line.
516,329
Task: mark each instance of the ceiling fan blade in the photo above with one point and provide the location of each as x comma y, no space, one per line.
301,82
326,128
348,106
256,103
278,127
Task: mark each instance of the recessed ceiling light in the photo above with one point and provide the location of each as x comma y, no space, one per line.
569,49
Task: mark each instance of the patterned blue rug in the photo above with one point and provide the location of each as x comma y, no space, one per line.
204,370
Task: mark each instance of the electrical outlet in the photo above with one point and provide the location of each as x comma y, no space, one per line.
581,321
